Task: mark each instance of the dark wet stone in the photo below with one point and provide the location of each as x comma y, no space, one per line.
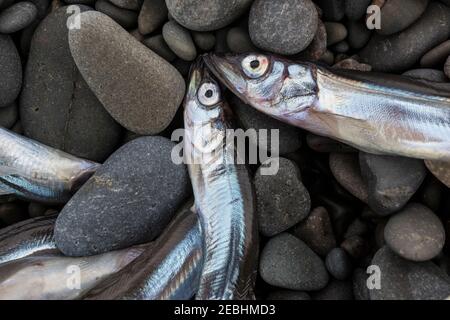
317,232
221,41
160,47
239,41
357,228
129,200
427,74
406,280
358,34
287,262
339,264
128,4
9,115
282,200
57,107
10,70
17,17
152,15
360,289
356,247
335,290
204,40
336,32
415,233
447,67
318,46
341,47
179,41
440,170
333,10
126,18
391,181
288,295
356,9
274,25
437,55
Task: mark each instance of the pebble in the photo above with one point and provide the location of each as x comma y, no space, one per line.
333,10
437,55
118,85
289,139
128,4
391,181
179,41
326,145
427,74
356,9
415,233
317,232
341,47
221,41
238,40
440,170
17,17
397,15
128,201
447,67
160,47
205,41
126,18
11,71
335,290
328,58
356,247
288,295
206,15
288,263
318,46
274,25
357,228
9,115
152,15
406,280
339,264
389,54
352,64
345,168
336,32
282,200
360,289
358,34
57,107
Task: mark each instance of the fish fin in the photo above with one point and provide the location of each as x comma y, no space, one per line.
5,190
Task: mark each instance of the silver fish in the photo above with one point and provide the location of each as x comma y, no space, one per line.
27,237
223,193
169,271
53,276
31,170
381,114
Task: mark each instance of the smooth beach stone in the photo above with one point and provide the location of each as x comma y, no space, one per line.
179,41
17,17
152,15
126,18
288,263
415,233
56,105
282,200
119,69
339,264
288,295
402,50
128,201
401,279
447,67
360,290
437,55
206,15
440,170
239,41
160,47
9,115
127,4
335,290
10,70
204,40
318,46
356,9
333,10
336,32
358,34
274,25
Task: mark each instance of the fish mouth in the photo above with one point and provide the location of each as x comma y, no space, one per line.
77,181
198,74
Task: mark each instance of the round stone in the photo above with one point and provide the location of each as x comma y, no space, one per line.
204,40
152,15
339,264
239,41
437,55
126,18
17,17
9,115
160,47
179,40
10,70
336,32
128,4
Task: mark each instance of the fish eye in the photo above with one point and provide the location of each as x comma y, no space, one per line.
208,94
255,66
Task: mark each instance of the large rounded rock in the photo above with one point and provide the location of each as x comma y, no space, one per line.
57,106
17,17
440,170
391,181
415,233
152,15
397,15
129,200
400,279
282,200
402,50
139,89
274,25
10,70
437,55
287,262
206,15
339,264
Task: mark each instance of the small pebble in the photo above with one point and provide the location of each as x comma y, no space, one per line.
336,32
11,71
152,15
17,17
356,247
358,34
204,40
128,4
436,56
179,40
447,67
159,46
318,46
9,115
357,228
338,264
440,170
352,64
360,289
239,41
126,18
341,47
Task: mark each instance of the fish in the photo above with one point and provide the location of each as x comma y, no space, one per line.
169,271
223,192
53,276
26,238
375,113
36,172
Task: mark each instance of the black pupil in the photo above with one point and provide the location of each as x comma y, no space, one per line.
209,93
254,64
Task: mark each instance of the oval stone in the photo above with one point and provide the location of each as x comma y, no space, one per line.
10,71
17,17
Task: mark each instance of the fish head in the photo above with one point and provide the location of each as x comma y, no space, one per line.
268,83
81,173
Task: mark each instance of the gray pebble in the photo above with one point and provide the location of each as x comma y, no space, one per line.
288,295
160,47
415,233
128,201
437,55
9,115
336,32
221,41
352,64
118,85
356,9
126,18
324,144
335,290
360,289
317,232
333,10
274,25
341,47
318,46
204,40
356,247
357,228
287,262
427,74
447,67
282,200
127,4
358,34
440,170
239,41
338,264
406,280
10,70
179,40
392,181
152,15
17,17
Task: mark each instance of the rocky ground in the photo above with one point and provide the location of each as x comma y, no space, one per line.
111,91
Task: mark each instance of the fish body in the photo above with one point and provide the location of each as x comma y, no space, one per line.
27,237
31,170
52,276
380,114
223,193
170,270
